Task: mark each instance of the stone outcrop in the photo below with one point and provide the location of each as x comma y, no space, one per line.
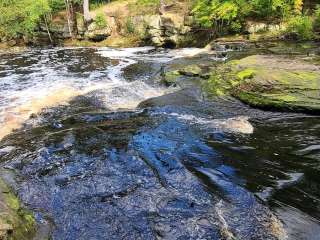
257,27
96,33
272,82
168,30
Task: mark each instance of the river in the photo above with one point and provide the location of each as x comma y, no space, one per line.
98,148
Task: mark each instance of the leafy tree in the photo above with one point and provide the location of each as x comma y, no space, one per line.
221,14
20,17
229,15
100,20
57,5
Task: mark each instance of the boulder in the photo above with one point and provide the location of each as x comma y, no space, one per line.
191,70
272,82
169,30
97,34
153,21
170,78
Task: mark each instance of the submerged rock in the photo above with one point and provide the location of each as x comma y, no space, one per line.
132,175
237,124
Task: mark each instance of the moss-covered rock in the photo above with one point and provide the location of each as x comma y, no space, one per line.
170,78
270,82
222,79
16,223
191,70
182,73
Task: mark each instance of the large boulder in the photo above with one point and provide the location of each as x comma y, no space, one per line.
170,30
191,70
96,33
273,82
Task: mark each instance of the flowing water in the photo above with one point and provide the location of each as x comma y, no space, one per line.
97,148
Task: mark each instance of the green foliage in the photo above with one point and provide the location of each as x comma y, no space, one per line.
100,20
302,26
317,17
129,26
56,5
229,15
221,14
149,2
20,17
235,27
271,8
94,4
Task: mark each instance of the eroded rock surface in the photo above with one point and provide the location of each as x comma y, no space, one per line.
278,82
131,175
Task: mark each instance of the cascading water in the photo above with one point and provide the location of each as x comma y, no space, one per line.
110,153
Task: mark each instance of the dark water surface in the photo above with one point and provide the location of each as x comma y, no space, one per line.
123,157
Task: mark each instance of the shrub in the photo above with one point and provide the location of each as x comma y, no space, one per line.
317,17
129,26
57,5
221,15
235,27
100,20
96,4
302,26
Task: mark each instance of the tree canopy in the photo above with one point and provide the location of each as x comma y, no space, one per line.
20,17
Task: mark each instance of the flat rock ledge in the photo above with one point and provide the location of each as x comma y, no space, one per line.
270,82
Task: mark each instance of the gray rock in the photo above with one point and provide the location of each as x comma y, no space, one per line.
95,33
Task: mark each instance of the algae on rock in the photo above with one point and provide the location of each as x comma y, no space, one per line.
16,223
270,82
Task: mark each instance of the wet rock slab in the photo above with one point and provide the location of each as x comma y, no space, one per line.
129,175
270,82
280,82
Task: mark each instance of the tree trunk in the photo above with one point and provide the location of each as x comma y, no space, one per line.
86,12
68,16
71,8
73,14
162,7
47,27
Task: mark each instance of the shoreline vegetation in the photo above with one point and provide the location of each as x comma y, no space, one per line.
165,23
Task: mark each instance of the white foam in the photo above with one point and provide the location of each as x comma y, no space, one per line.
27,89
238,124
47,77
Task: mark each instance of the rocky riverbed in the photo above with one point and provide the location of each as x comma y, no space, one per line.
145,143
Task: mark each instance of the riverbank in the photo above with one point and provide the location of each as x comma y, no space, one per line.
134,23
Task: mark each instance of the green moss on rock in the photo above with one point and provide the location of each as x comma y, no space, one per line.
269,82
170,78
191,71
16,223
246,74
